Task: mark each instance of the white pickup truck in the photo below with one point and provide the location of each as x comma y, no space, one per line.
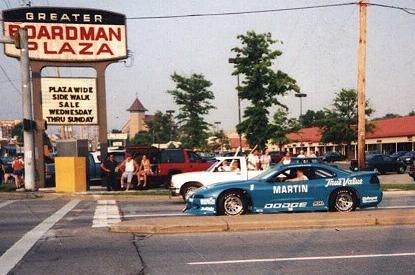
225,169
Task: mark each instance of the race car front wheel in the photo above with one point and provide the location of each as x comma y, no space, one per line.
232,203
343,201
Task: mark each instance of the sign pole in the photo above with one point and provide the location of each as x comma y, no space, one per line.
29,178
361,81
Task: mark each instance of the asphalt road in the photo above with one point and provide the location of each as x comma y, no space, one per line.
73,238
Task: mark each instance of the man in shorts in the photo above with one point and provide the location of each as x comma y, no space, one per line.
130,167
18,169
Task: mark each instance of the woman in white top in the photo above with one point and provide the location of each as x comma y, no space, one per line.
253,161
286,159
265,160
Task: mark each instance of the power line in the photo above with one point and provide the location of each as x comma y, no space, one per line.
9,79
242,12
407,10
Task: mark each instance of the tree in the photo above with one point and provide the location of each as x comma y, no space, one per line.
311,118
217,141
411,113
162,127
17,131
142,138
261,85
193,96
340,123
282,125
388,115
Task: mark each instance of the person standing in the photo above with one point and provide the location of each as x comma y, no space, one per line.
253,160
286,159
18,169
108,167
265,160
130,167
301,155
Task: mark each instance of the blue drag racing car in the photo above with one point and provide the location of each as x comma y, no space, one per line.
292,187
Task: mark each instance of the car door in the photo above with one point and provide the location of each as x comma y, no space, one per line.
223,171
389,164
281,194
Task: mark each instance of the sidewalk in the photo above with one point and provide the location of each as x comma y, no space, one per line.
255,222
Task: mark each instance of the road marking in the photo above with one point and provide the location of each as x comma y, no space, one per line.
155,215
15,253
3,204
304,259
396,207
106,213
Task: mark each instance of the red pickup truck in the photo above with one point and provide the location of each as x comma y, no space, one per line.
168,162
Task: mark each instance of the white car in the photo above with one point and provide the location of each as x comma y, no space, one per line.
225,169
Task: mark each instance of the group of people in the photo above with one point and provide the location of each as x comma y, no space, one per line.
257,161
129,168
233,167
15,170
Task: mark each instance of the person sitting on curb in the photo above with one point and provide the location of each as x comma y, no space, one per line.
130,167
144,171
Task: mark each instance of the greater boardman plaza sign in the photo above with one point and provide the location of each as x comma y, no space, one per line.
68,34
69,101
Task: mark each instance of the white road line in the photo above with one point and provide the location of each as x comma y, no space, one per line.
304,259
2,204
155,215
106,213
396,207
15,253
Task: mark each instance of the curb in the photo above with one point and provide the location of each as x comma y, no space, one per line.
256,222
82,196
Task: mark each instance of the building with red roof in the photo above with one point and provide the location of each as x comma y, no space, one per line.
388,136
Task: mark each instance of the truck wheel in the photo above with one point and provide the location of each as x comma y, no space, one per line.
343,200
190,187
232,203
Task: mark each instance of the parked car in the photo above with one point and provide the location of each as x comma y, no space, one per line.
167,162
276,156
398,154
412,171
325,188
408,158
333,156
381,164
183,184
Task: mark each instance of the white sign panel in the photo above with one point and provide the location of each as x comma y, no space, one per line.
68,34
69,101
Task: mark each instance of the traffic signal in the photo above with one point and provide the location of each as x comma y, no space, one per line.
17,41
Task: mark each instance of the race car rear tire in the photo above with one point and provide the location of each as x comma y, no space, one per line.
401,169
189,187
343,200
232,203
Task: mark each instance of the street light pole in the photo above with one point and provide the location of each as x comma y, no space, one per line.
236,61
170,112
301,95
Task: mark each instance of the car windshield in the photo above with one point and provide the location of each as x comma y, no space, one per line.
266,174
210,169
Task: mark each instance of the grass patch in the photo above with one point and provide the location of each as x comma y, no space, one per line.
403,186
8,187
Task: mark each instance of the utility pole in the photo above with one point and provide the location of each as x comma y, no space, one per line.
28,134
361,83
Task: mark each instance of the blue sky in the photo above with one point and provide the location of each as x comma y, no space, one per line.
319,51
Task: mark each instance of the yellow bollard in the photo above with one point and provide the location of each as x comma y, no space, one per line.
70,174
